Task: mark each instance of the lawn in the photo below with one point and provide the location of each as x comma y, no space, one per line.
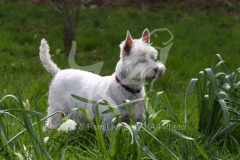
198,36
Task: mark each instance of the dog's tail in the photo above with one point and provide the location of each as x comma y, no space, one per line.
45,58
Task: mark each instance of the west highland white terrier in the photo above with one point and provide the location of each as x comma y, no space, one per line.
137,65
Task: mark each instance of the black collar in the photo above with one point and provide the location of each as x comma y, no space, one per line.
133,91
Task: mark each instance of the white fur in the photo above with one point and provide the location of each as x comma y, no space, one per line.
132,69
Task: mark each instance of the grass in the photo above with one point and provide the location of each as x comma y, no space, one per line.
198,36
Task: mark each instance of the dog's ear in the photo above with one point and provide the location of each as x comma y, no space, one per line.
128,43
146,36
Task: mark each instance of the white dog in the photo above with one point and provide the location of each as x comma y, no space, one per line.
137,65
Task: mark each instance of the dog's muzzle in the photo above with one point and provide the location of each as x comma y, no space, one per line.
154,74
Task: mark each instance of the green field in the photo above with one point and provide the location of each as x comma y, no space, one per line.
198,36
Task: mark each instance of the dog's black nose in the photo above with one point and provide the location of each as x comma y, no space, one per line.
157,71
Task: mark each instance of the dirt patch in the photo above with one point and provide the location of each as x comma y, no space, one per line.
223,5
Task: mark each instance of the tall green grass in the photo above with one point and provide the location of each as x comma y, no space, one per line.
218,102
108,145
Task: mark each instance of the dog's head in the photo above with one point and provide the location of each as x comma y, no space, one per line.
139,59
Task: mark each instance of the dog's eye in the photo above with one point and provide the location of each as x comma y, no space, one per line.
154,59
142,60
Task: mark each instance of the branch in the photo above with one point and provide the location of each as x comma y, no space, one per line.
84,27
57,6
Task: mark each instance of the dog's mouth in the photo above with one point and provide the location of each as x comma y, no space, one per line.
150,79
153,76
